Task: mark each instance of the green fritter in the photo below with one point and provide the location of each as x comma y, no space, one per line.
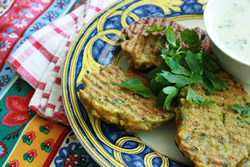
141,47
214,135
115,104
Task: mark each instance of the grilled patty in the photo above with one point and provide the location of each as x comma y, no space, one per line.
214,135
120,106
140,46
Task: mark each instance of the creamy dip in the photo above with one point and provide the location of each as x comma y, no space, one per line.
233,28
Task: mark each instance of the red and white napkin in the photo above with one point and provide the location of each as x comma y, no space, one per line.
40,59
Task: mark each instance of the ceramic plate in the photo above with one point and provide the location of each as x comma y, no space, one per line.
98,45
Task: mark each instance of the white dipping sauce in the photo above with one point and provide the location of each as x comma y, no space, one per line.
233,28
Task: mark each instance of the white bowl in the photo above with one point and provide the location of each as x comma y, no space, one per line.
234,65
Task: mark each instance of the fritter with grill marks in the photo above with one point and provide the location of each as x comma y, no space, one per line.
118,105
214,135
141,47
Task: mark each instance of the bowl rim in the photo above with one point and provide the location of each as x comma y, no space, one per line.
215,40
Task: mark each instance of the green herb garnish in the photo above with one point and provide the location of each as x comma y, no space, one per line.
243,111
135,86
196,99
155,28
171,36
184,67
171,93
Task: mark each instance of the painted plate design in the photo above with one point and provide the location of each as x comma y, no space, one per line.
98,45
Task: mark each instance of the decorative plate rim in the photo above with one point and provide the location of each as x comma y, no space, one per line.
67,94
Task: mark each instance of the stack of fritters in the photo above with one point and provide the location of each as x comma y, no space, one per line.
214,135
118,105
141,47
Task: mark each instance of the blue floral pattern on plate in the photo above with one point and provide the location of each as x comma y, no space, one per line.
96,46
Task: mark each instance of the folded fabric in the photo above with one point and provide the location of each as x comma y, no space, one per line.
21,18
40,58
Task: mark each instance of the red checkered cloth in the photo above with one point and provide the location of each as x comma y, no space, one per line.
40,58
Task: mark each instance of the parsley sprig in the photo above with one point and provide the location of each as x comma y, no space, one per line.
243,111
155,28
183,67
135,86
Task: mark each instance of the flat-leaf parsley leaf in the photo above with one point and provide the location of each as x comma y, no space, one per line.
184,67
136,86
243,111
155,28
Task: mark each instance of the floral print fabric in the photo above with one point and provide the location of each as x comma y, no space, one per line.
25,138
28,140
15,21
